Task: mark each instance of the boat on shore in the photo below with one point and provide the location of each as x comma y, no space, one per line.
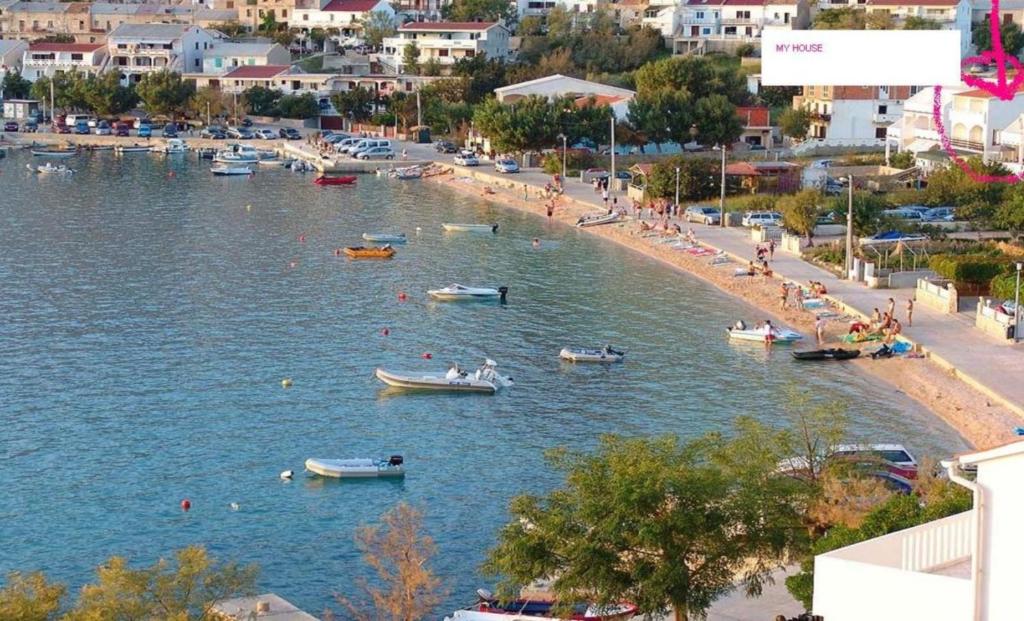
455,292
598,219
485,380
757,334
50,169
835,353
385,238
370,252
230,171
325,180
357,468
55,151
538,608
470,228
410,172
581,354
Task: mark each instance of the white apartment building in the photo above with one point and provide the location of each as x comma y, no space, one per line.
282,78
540,8
966,567
137,49
225,56
851,116
43,59
446,42
345,15
11,51
699,21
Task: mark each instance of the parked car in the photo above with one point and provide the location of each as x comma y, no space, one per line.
702,214
903,214
265,134
506,166
103,129
122,129
467,158
342,146
289,133
61,129
145,131
30,126
239,133
367,143
443,146
938,214
169,131
213,132
140,121
762,218
376,153
11,126
82,127
334,138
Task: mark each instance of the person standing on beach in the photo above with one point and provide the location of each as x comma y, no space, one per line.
526,192
819,330
891,308
604,197
798,294
910,313
771,249
783,296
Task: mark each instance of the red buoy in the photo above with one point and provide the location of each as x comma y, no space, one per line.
337,252
302,238
186,505
427,356
401,296
385,332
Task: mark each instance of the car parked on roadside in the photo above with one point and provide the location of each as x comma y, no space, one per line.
938,214
334,138
213,132
30,126
239,133
145,131
910,215
140,121
289,133
265,134
169,131
11,126
467,158
122,129
762,218
61,128
103,129
702,214
82,127
376,153
506,166
443,146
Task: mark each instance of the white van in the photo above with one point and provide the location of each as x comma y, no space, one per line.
342,145
367,143
72,119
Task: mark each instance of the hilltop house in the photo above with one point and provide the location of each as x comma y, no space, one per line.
347,16
852,115
224,56
446,42
715,25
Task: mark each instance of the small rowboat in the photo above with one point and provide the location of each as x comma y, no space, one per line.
470,228
598,219
135,148
227,171
276,162
461,292
366,252
836,353
540,607
757,334
323,180
388,238
486,380
580,354
55,152
357,468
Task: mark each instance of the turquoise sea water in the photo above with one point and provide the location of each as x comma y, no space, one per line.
147,320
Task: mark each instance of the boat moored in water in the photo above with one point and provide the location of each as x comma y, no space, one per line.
411,172
357,468
237,154
456,291
386,238
50,169
370,252
779,335
230,171
470,228
67,151
581,354
485,380
173,145
132,148
325,180
836,353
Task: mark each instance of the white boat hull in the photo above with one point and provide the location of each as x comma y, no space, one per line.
597,220
781,336
437,382
385,238
577,354
458,292
470,228
354,468
227,171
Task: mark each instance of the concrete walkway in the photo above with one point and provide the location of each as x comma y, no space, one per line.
994,367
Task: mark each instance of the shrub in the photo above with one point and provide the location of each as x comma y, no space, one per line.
746,50
969,268
1003,286
575,160
902,160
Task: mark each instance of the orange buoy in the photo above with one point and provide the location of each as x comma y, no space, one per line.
186,504
401,296
385,332
427,356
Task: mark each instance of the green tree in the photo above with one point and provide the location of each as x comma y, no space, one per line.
261,101
59,37
411,58
483,75
976,200
232,29
69,90
284,38
1010,34
913,22
209,100
184,589
778,96
662,116
479,10
655,522
795,122
867,211
559,22
400,555
14,86
356,104
800,213
106,96
1010,214
530,26
535,122
164,92
716,120
318,36
902,160
700,76
30,597
699,178
843,18
379,25
431,68
304,106
268,23
878,20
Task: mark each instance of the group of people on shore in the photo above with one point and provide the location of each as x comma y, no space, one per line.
883,325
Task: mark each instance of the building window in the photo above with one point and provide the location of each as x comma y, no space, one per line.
195,63
305,17
880,132
883,109
700,14
442,52
76,57
284,13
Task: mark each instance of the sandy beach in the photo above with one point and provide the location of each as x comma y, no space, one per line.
980,421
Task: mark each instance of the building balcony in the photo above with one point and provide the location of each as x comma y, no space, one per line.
885,119
821,116
742,21
967,145
59,62
694,21
921,573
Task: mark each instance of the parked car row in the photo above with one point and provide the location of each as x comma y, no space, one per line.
362,148
216,132
920,213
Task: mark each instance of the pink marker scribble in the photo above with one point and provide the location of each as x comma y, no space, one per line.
1000,88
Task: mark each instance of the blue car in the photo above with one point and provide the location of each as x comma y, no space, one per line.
82,128
145,131
170,131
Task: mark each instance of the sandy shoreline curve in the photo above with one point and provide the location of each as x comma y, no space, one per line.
978,419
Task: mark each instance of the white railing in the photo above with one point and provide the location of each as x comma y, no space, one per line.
938,544
885,118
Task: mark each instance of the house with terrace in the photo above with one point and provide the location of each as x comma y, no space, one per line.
43,59
138,49
346,17
224,56
446,43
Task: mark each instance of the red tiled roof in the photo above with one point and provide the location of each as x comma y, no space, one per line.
753,116
44,46
351,6
983,94
703,2
258,71
443,26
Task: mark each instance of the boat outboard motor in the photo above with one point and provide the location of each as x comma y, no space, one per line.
396,460
503,292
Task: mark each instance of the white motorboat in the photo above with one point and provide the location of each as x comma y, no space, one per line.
598,219
237,154
470,228
411,172
385,238
357,468
276,162
132,148
485,380
50,169
172,146
226,171
55,151
758,334
582,354
456,291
